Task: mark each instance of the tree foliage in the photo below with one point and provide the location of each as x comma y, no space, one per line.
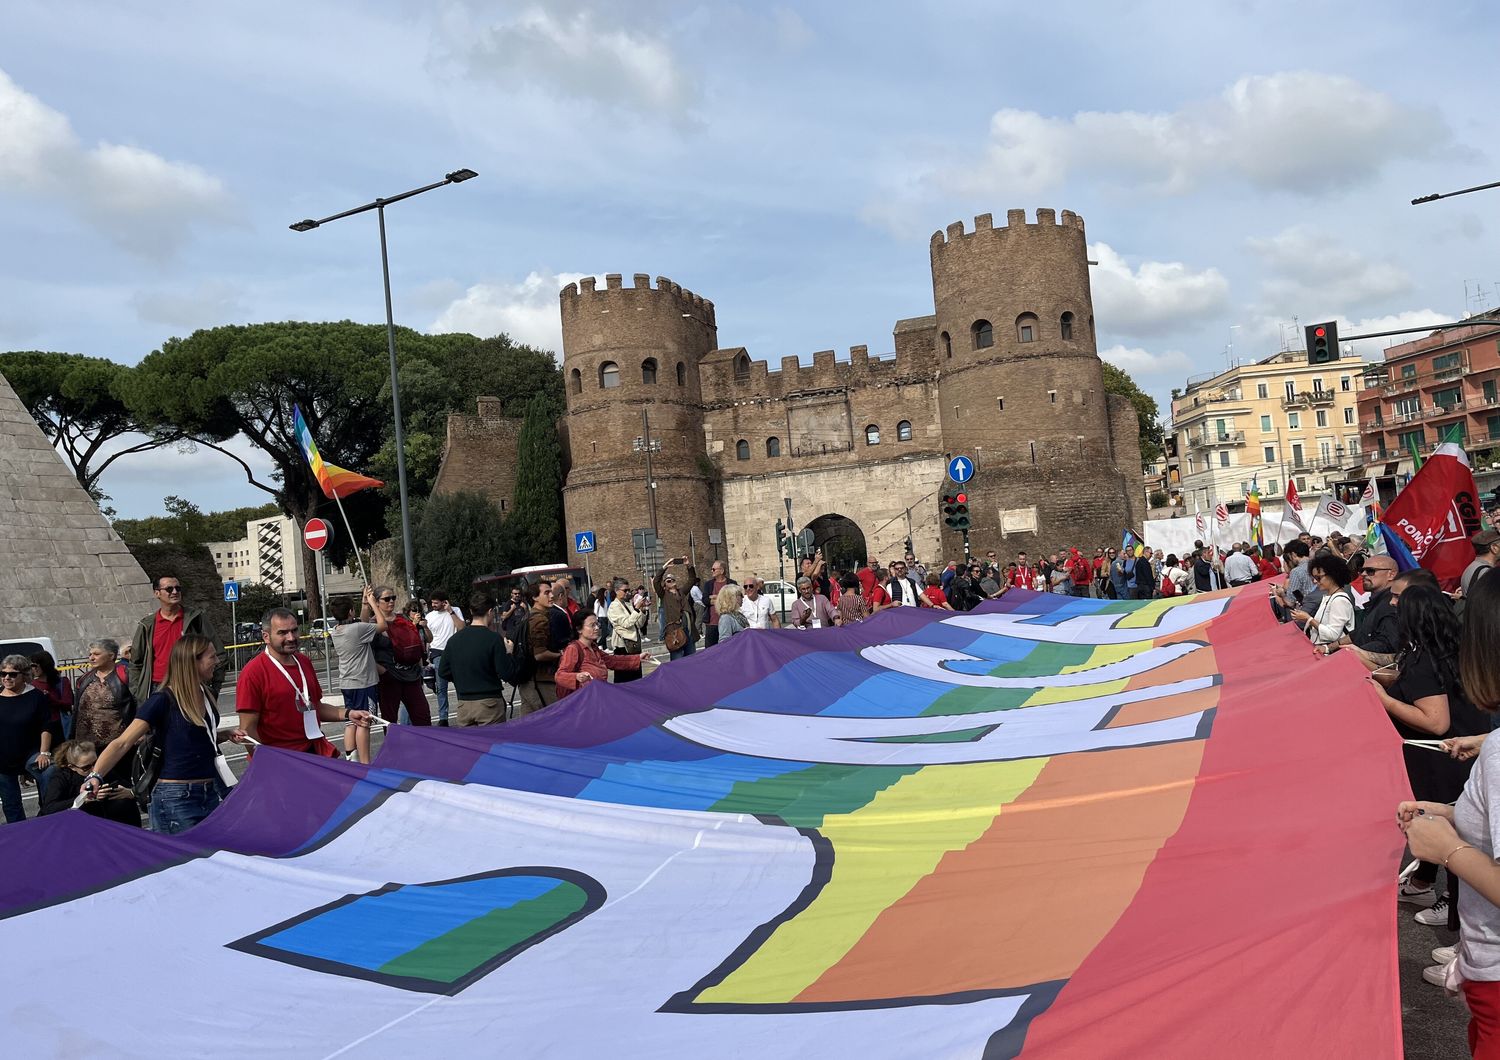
458,540
1117,381
185,524
533,532
77,402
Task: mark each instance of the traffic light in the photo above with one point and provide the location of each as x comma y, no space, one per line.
783,539
1322,343
956,511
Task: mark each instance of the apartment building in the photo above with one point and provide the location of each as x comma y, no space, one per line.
271,554
1267,421
1440,387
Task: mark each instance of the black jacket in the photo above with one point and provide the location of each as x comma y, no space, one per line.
1378,629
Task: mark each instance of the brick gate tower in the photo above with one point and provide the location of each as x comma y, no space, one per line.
627,350
1021,388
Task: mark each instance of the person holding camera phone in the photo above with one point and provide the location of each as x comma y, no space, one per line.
183,716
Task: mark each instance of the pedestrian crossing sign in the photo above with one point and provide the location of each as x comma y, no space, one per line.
231,592
583,542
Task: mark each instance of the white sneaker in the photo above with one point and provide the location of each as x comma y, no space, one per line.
1444,954
1436,974
1422,897
1436,916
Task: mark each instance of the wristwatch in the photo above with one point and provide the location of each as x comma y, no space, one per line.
346,713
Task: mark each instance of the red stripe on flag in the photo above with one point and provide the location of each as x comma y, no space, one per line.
1265,926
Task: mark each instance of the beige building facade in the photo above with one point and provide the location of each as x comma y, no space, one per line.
1269,421
269,555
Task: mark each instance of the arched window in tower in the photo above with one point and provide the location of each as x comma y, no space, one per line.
681,374
984,334
648,371
742,450
773,446
609,375
1065,326
903,431
947,345
575,381
742,367
1026,327
872,434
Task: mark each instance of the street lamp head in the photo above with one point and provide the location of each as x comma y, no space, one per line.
459,175
303,226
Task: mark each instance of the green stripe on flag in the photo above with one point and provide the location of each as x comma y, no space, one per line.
457,953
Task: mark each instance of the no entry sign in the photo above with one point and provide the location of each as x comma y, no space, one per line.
316,534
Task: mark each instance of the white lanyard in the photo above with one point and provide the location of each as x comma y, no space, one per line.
310,727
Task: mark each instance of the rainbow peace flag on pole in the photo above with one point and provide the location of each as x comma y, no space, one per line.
1039,829
336,482
1252,509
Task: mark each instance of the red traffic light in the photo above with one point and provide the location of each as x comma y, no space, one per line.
962,498
1320,331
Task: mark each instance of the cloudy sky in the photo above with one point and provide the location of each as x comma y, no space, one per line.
1238,165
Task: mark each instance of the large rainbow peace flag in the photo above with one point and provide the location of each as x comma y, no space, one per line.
1051,828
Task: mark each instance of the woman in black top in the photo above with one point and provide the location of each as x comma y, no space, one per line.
75,761
1425,700
25,733
184,719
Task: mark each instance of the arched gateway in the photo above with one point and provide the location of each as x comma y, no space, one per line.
840,538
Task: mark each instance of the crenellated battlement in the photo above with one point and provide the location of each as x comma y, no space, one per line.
728,378
574,295
1015,222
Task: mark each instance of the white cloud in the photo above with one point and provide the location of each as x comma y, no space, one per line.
1311,271
605,53
1137,361
141,201
526,311
1295,131
1155,297
209,304
1373,349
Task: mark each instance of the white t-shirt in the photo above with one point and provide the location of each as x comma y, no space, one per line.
440,625
1477,821
758,612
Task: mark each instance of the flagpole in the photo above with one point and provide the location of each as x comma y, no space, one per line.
363,577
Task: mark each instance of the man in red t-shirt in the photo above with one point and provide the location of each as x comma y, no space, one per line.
156,633
1024,575
279,700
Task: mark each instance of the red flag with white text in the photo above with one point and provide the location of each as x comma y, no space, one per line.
1437,513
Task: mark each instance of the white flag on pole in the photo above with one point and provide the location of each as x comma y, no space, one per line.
1294,504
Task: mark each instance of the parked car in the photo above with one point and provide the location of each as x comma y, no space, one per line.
321,627
781,594
27,646
247,632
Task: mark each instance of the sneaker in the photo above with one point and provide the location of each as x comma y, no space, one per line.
1436,916
1444,954
1436,974
1410,894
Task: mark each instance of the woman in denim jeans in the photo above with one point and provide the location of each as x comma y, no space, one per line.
184,719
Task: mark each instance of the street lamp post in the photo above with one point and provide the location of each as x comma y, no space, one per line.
379,205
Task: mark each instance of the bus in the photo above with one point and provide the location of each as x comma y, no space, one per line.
500,585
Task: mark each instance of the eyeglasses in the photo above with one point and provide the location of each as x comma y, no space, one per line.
9,673
171,590
388,599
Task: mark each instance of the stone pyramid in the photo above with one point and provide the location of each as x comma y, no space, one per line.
67,573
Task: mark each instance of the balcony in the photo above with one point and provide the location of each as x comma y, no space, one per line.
1319,398
1296,401
1212,438
1372,425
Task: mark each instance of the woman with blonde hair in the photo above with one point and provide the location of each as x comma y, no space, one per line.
727,606
183,717
75,761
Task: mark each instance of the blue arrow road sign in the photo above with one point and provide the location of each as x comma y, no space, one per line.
583,542
960,469
231,592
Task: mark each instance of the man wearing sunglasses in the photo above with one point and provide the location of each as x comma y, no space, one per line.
157,632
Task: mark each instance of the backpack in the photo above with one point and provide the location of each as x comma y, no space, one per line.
1168,586
406,641
522,662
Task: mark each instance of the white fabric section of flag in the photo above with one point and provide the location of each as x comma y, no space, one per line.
683,889
1368,496
1221,513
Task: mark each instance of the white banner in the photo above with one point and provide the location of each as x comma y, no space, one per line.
1176,536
